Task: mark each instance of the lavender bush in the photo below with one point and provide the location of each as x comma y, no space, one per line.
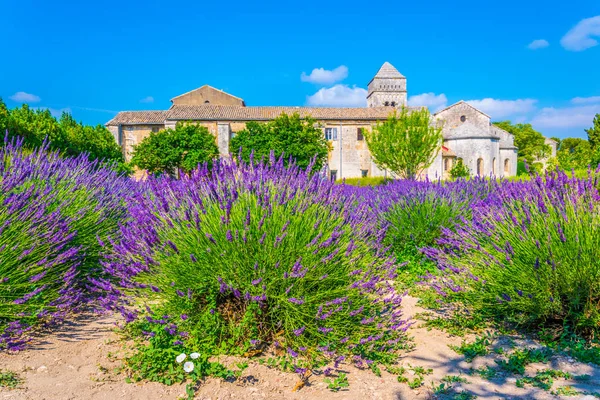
253,255
532,256
55,216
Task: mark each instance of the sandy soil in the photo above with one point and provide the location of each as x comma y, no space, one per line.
81,359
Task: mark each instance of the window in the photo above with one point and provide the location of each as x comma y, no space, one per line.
206,102
494,166
331,134
232,135
155,129
393,104
333,174
446,164
387,103
360,134
364,173
480,166
463,118
506,166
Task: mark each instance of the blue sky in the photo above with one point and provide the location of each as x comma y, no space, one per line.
527,61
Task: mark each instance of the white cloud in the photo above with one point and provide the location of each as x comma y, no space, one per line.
325,77
148,99
538,44
503,108
567,117
579,38
339,96
430,100
586,100
23,97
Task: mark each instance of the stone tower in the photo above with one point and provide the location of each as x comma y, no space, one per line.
387,88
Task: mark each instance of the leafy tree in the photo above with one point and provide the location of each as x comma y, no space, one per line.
459,170
594,138
405,143
531,143
68,136
290,135
574,153
170,150
594,133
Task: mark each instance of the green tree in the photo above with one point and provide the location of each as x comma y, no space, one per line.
68,136
594,133
594,138
531,143
295,137
405,143
459,170
574,153
170,150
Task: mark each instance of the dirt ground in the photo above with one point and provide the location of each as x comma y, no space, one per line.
79,362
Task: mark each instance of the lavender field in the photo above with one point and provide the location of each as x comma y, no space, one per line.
281,265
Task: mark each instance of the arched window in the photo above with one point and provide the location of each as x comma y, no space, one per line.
206,101
494,166
480,166
507,166
446,164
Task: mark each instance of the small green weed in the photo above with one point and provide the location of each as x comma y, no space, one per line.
338,383
457,324
419,378
454,379
486,372
10,379
565,391
464,396
520,358
479,347
543,379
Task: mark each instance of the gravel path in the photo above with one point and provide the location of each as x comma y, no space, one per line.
80,361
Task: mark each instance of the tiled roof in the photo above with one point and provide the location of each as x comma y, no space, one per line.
236,113
387,70
138,118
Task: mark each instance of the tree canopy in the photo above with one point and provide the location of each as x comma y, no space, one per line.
170,150
294,137
406,143
531,143
65,134
593,134
574,153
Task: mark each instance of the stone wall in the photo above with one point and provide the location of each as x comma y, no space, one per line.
207,95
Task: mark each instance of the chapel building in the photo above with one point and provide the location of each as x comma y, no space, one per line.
467,132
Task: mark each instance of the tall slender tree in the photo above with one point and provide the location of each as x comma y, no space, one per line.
406,143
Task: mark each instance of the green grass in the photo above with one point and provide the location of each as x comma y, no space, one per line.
543,379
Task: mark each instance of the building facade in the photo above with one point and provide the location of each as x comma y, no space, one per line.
467,132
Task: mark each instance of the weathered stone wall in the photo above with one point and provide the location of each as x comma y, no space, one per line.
452,118
511,156
133,135
207,95
381,90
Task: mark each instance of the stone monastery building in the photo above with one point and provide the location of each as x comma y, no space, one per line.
467,132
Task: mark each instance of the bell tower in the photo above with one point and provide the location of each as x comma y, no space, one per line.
387,88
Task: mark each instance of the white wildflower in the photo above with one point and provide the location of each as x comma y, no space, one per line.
193,356
180,358
188,367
